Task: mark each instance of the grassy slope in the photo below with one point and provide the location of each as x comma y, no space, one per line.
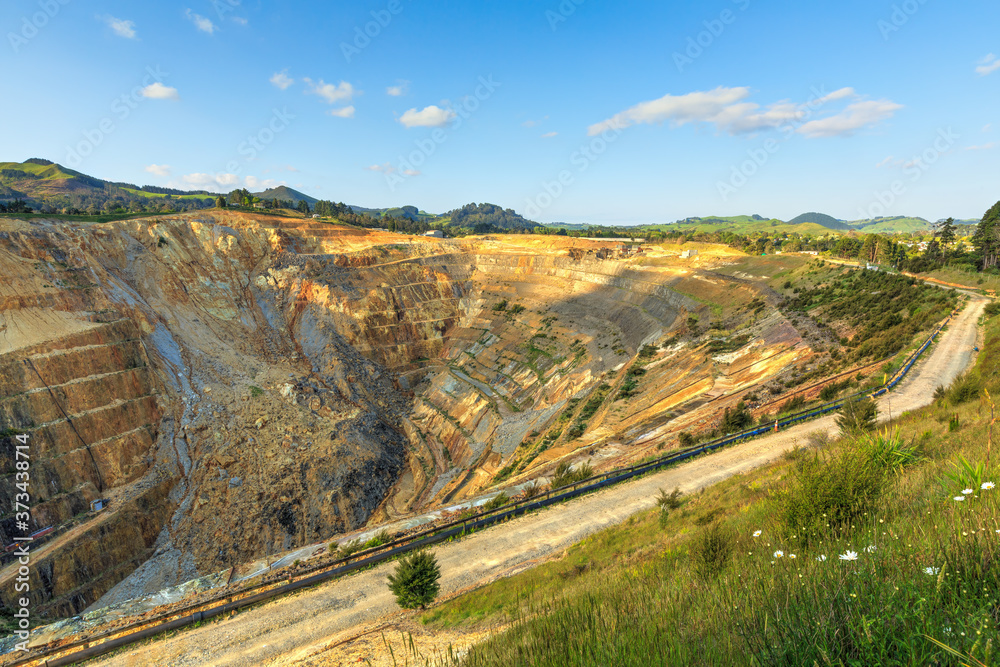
630,595
155,195
744,225
891,225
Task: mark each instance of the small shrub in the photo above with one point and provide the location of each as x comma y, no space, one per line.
500,306
669,501
496,502
415,583
964,389
712,550
793,404
857,416
516,309
532,490
349,549
685,439
256,391
377,540
565,476
831,495
888,451
648,351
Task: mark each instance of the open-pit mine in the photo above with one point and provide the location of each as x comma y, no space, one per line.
208,389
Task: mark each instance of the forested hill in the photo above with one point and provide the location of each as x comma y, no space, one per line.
485,218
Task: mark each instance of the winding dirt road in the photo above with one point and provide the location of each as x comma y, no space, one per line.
290,630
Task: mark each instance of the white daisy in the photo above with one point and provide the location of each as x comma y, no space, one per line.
850,555
966,492
779,553
821,558
931,571
757,533
987,486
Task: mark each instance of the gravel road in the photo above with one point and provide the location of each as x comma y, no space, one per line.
289,630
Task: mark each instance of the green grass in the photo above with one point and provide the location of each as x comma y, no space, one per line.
638,594
109,217
156,195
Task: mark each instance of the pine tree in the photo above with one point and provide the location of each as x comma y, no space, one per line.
415,582
985,239
946,230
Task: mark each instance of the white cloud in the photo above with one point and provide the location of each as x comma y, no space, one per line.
212,183
157,91
987,127
239,20
343,91
988,65
200,22
432,116
835,95
346,112
730,111
982,147
854,117
723,107
261,184
386,168
534,123
121,27
159,169
890,161
281,79
289,167
411,172
398,90
549,135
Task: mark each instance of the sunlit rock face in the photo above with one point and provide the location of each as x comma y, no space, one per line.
238,385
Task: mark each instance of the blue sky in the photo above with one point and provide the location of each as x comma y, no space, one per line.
576,111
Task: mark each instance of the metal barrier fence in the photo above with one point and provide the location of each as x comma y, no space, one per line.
376,555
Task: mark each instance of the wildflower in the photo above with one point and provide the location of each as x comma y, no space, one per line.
779,553
959,499
966,492
792,556
757,533
987,486
850,555
822,557
870,548
931,571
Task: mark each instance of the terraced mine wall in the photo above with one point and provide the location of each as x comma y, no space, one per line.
238,385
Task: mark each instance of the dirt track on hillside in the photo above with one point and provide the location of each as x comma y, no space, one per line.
291,630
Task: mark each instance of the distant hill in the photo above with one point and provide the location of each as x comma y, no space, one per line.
821,219
484,218
890,225
738,224
285,193
50,187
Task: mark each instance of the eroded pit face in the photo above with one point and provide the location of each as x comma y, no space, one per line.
248,385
